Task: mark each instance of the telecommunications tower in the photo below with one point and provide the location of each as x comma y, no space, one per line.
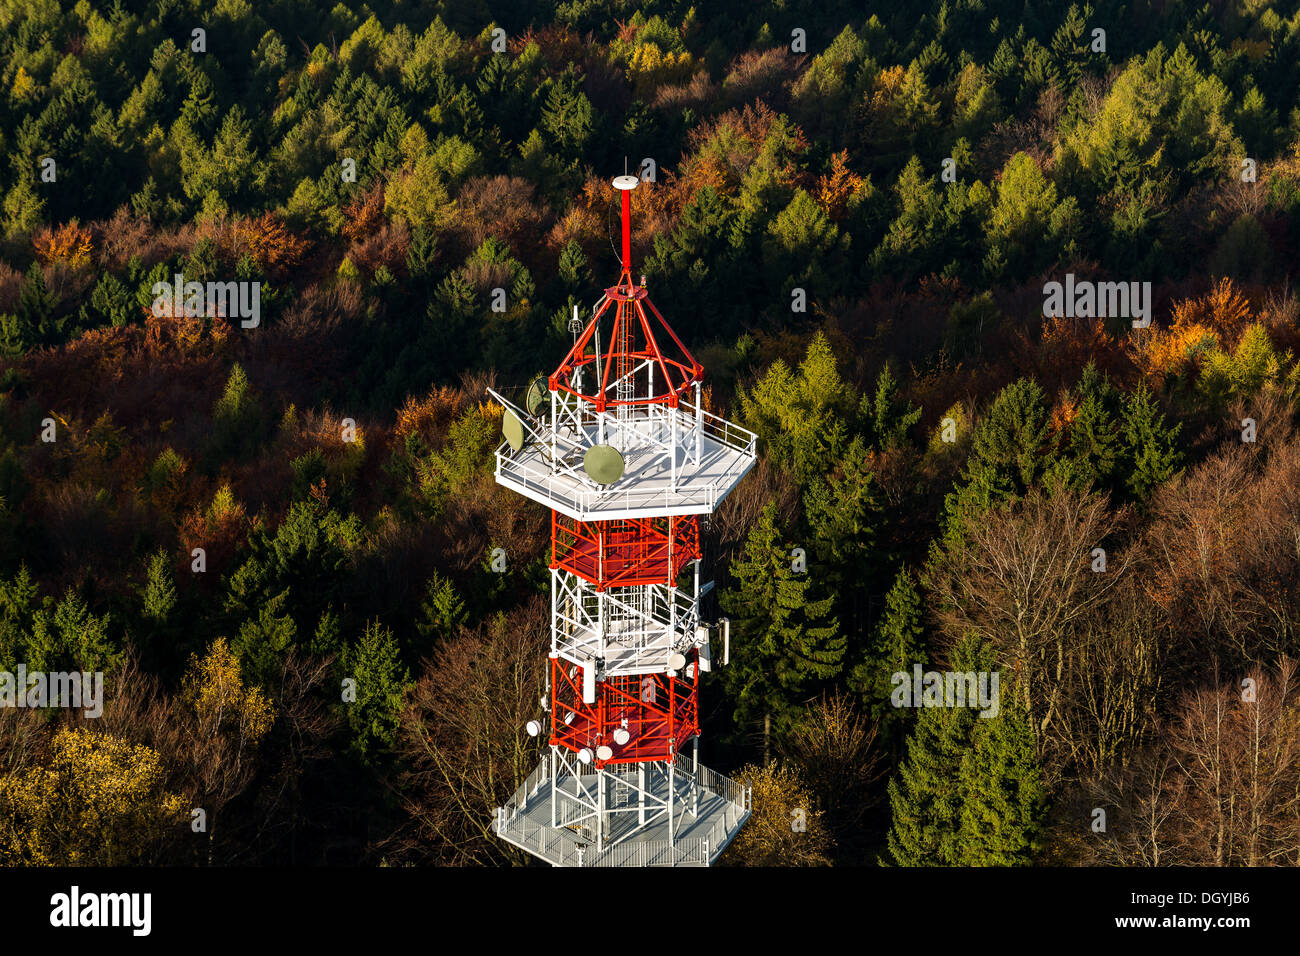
617,444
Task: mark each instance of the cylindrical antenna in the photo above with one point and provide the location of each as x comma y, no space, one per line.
626,184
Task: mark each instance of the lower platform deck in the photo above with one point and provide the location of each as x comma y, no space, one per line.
707,812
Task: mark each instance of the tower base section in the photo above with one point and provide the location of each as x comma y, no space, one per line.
650,814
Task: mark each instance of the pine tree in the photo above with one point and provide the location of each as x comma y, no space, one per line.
159,594
442,609
568,115
924,798
1093,446
785,639
573,268
802,416
36,308
843,516
890,418
1010,454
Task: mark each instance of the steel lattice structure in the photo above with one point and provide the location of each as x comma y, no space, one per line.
621,450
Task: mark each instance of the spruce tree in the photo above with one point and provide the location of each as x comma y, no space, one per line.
1010,453
924,797
1004,801
374,663
785,639
1149,453
897,646
1093,445
843,515
890,418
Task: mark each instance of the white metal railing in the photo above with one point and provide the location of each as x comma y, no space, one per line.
721,430
572,846
658,431
560,489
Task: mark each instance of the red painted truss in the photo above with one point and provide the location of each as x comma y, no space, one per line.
657,713
628,353
631,551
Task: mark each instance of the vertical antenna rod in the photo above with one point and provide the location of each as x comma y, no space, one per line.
625,184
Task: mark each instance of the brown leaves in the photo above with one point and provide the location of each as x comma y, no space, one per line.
1228,569
364,215
462,737
270,242
1219,784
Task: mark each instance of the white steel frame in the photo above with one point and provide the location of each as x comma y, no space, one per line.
576,831
632,630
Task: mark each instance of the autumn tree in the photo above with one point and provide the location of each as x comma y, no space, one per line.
786,826
98,800
226,719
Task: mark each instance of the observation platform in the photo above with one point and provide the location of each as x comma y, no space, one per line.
678,461
705,811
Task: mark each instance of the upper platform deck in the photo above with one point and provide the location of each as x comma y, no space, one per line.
677,461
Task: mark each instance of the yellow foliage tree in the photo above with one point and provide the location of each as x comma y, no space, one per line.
228,719
834,189
99,801
785,827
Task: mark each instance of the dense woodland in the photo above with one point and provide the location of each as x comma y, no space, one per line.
796,145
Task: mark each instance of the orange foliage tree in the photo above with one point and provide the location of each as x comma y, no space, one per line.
68,243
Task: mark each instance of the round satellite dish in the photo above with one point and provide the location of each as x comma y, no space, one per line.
536,398
676,661
534,727
584,756
603,752
621,736
568,718
513,429
626,182
603,464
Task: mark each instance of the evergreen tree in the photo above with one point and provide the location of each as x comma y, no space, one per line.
36,309
1093,445
890,419
159,594
568,116
1149,453
442,609
897,646
1010,454
374,663
785,638
924,798
1004,801
843,515
802,416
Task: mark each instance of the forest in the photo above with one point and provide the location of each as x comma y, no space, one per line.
850,213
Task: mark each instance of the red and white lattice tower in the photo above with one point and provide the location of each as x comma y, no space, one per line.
616,443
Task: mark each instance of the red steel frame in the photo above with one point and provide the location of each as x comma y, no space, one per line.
626,552
623,347
629,316
662,713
